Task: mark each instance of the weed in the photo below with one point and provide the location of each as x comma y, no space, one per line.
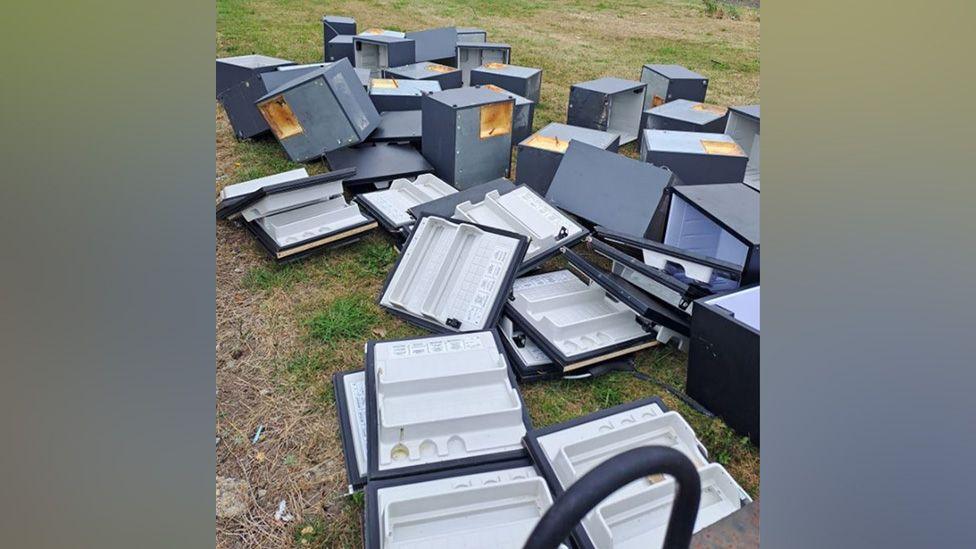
310,532
347,317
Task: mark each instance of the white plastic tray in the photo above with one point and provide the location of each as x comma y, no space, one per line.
636,515
404,194
443,398
452,275
524,212
308,222
574,316
490,510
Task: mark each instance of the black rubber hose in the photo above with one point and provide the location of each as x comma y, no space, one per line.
570,508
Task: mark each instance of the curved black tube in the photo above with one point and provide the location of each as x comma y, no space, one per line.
570,508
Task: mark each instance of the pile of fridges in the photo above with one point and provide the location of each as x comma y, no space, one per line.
574,263
436,433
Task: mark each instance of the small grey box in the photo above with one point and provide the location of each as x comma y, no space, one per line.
524,81
696,158
340,47
743,127
522,115
467,134
335,25
539,154
669,82
282,75
608,189
390,94
608,104
238,100
448,77
471,34
434,44
686,116
231,71
378,52
471,55
322,111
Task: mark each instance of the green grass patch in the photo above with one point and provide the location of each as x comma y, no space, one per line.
302,370
266,277
376,257
347,317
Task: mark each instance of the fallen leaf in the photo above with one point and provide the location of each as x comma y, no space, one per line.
259,456
308,530
381,332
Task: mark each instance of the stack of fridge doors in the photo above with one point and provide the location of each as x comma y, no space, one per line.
433,429
453,276
297,217
637,514
580,323
674,276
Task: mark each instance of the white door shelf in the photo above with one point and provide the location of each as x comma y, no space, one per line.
391,206
440,402
524,212
636,515
452,276
492,507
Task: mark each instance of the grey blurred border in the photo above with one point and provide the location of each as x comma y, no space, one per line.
108,274
867,362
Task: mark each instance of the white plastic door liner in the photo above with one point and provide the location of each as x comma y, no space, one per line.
452,275
575,317
636,515
490,510
443,398
354,390
308,222
524,212
404,194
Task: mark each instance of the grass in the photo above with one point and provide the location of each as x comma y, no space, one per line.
266,277
347,317
287,329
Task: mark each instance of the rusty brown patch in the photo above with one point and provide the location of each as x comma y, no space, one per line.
280,117
496,119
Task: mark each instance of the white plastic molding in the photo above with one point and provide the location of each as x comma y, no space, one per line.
522,211
490,510
636,515
451,274
575,316
404,194
444,398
